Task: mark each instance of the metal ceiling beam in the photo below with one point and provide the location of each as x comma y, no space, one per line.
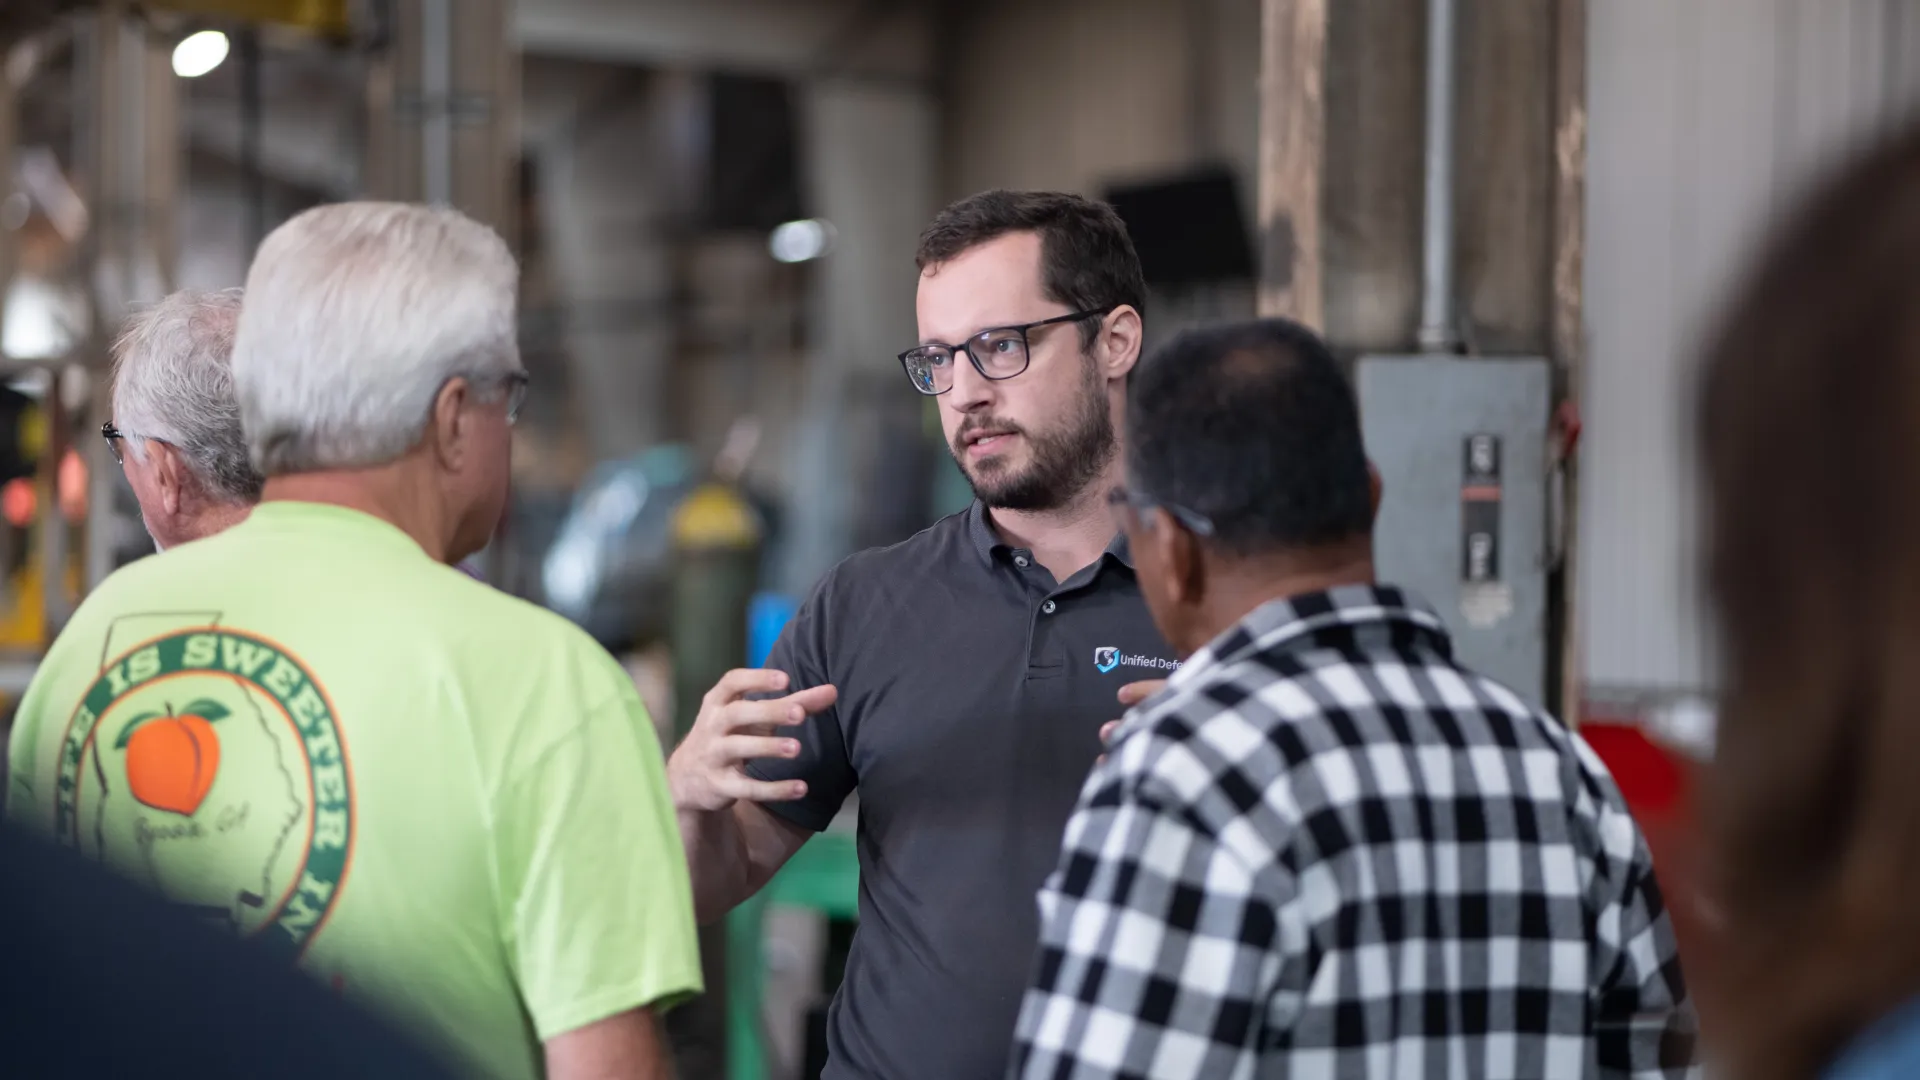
20,19
299,145
330,18
779,37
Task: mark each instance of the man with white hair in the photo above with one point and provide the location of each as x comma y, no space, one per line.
176,426
437,797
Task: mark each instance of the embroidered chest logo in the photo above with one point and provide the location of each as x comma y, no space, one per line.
208,764
1106,658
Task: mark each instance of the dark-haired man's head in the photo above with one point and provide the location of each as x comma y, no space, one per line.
1246,477
1027,391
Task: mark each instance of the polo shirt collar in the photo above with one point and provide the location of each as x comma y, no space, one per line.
1363,614
980,531
987,542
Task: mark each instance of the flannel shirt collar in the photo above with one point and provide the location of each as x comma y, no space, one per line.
1377,615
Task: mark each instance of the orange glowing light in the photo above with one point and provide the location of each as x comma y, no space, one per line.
17,502
72,483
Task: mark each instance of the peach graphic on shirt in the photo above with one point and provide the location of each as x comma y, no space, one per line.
173,759
207,763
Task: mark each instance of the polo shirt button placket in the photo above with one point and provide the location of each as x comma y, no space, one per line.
1047,608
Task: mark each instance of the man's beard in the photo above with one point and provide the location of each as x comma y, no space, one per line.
1065,459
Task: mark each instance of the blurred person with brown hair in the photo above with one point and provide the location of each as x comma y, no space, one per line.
437,798
176,422
1810,439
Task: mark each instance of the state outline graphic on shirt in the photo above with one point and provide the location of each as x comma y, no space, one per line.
194,759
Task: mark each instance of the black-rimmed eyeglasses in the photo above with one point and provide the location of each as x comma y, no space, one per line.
114,436
999,353
1122,502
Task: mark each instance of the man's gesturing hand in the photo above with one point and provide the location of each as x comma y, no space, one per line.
1130,695
1136,692
708,771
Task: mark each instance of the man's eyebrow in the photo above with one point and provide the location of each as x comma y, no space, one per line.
974,333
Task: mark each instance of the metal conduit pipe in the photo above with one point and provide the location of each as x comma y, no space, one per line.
1437,330
436,101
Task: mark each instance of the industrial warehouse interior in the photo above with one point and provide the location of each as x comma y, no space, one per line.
1517,225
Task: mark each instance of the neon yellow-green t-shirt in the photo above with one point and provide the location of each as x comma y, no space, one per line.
443,800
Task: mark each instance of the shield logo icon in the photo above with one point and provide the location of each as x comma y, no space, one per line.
1106,659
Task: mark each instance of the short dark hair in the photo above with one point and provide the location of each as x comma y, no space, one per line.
1087,261
1253,425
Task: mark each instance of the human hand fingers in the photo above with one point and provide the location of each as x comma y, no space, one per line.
1136,692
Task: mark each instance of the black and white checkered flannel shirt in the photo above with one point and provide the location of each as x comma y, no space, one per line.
1328,851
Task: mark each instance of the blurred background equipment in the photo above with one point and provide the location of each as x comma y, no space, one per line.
716,207
324,18
1189,229
715,573
1461,444
20,19
610,564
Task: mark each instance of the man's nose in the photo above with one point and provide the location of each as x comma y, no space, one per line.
971,390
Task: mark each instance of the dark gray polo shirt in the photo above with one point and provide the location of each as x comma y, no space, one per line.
972,690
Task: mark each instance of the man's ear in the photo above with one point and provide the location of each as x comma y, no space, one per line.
450,423
169,474
1180,554
1121,335
1374,489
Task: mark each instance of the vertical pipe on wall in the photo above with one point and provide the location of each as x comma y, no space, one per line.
1437,332
250,125
436,93
9,128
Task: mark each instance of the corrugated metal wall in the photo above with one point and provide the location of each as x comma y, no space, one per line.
1704,117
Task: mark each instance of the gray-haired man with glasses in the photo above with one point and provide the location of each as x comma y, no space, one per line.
957,680
438,799
176,431
176,425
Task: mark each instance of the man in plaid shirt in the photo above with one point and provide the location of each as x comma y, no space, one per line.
1325,849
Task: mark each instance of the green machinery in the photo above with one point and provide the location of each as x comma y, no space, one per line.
823,876
717,541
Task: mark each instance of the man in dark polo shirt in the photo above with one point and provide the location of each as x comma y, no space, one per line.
958,680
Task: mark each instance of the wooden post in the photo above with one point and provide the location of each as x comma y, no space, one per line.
483,108
1293,80
1568,340
9,128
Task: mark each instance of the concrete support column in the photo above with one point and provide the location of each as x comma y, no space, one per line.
135,171
132,166
443,126
9,137
1342,123
612,214
869,153
448,88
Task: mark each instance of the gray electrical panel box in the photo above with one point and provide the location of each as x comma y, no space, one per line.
1461,445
